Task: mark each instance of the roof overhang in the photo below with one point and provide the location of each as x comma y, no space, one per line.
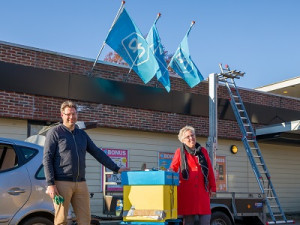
290,87
58,84
286,133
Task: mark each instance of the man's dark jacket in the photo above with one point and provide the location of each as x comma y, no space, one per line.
65,152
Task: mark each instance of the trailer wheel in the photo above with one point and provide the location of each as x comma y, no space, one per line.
219,218
95,222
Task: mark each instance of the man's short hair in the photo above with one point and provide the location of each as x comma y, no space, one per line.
69,104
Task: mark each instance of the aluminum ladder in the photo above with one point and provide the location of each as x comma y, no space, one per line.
257,162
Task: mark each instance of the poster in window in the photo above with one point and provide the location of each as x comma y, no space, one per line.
221,173
120,157
164,160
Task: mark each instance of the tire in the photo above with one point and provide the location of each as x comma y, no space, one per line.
220,218
95,222
38,221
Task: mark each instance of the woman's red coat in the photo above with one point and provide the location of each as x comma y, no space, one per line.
192,197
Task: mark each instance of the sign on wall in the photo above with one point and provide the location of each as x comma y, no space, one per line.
221,173
120,157
164,160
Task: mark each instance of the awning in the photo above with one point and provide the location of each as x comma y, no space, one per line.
286,133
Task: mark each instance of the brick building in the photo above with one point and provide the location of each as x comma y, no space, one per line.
142,119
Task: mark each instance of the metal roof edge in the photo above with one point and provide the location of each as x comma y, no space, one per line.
61,54
280,84
291,126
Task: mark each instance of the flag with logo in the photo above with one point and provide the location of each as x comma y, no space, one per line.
126,39
183,64
155,45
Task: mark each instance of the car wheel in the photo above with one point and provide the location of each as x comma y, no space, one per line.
38,221
220,218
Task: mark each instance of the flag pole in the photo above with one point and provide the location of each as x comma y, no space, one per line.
188,32
157,17
103,44
192,24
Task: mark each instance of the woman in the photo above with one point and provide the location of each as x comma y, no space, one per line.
196,179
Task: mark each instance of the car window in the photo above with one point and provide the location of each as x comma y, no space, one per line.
28,152
40,174
8,157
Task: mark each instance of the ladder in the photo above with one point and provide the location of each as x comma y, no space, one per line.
257,162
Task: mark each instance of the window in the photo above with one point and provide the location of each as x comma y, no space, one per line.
34,127
40,174
8,158
28,152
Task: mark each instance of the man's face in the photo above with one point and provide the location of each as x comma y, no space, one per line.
69,117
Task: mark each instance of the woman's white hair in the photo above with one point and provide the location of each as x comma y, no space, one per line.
183,130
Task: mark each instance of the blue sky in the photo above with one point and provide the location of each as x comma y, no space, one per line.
259,37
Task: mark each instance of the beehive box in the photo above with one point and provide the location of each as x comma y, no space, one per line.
150,178
149,195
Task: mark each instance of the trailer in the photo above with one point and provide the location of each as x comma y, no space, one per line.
229,208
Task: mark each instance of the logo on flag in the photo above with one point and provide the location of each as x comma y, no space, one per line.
185,65
133,45
127,40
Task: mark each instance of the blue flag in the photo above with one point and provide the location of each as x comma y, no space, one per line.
154,42
184,66
127,40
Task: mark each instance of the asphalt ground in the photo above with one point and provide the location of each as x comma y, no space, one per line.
296,218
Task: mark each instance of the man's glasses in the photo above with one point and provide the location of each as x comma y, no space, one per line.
70,114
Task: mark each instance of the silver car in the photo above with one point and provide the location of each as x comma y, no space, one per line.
23,200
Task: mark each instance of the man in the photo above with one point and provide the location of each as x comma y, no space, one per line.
64,161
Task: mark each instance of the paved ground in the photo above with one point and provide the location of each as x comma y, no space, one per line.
296,218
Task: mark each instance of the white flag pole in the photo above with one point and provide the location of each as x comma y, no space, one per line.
103,44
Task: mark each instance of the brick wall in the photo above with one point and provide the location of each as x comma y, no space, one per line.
25,106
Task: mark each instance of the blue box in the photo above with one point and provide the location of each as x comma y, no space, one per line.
149,178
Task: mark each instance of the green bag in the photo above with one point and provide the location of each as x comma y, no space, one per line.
58,199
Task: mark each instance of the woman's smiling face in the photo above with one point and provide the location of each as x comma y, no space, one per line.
189,139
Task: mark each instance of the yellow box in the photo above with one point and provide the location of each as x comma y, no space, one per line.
149,202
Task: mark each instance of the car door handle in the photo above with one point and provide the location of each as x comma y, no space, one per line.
16,191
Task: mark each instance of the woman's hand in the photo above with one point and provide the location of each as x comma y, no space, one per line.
212,194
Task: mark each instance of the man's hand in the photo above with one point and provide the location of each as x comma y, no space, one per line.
52,191
122,169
